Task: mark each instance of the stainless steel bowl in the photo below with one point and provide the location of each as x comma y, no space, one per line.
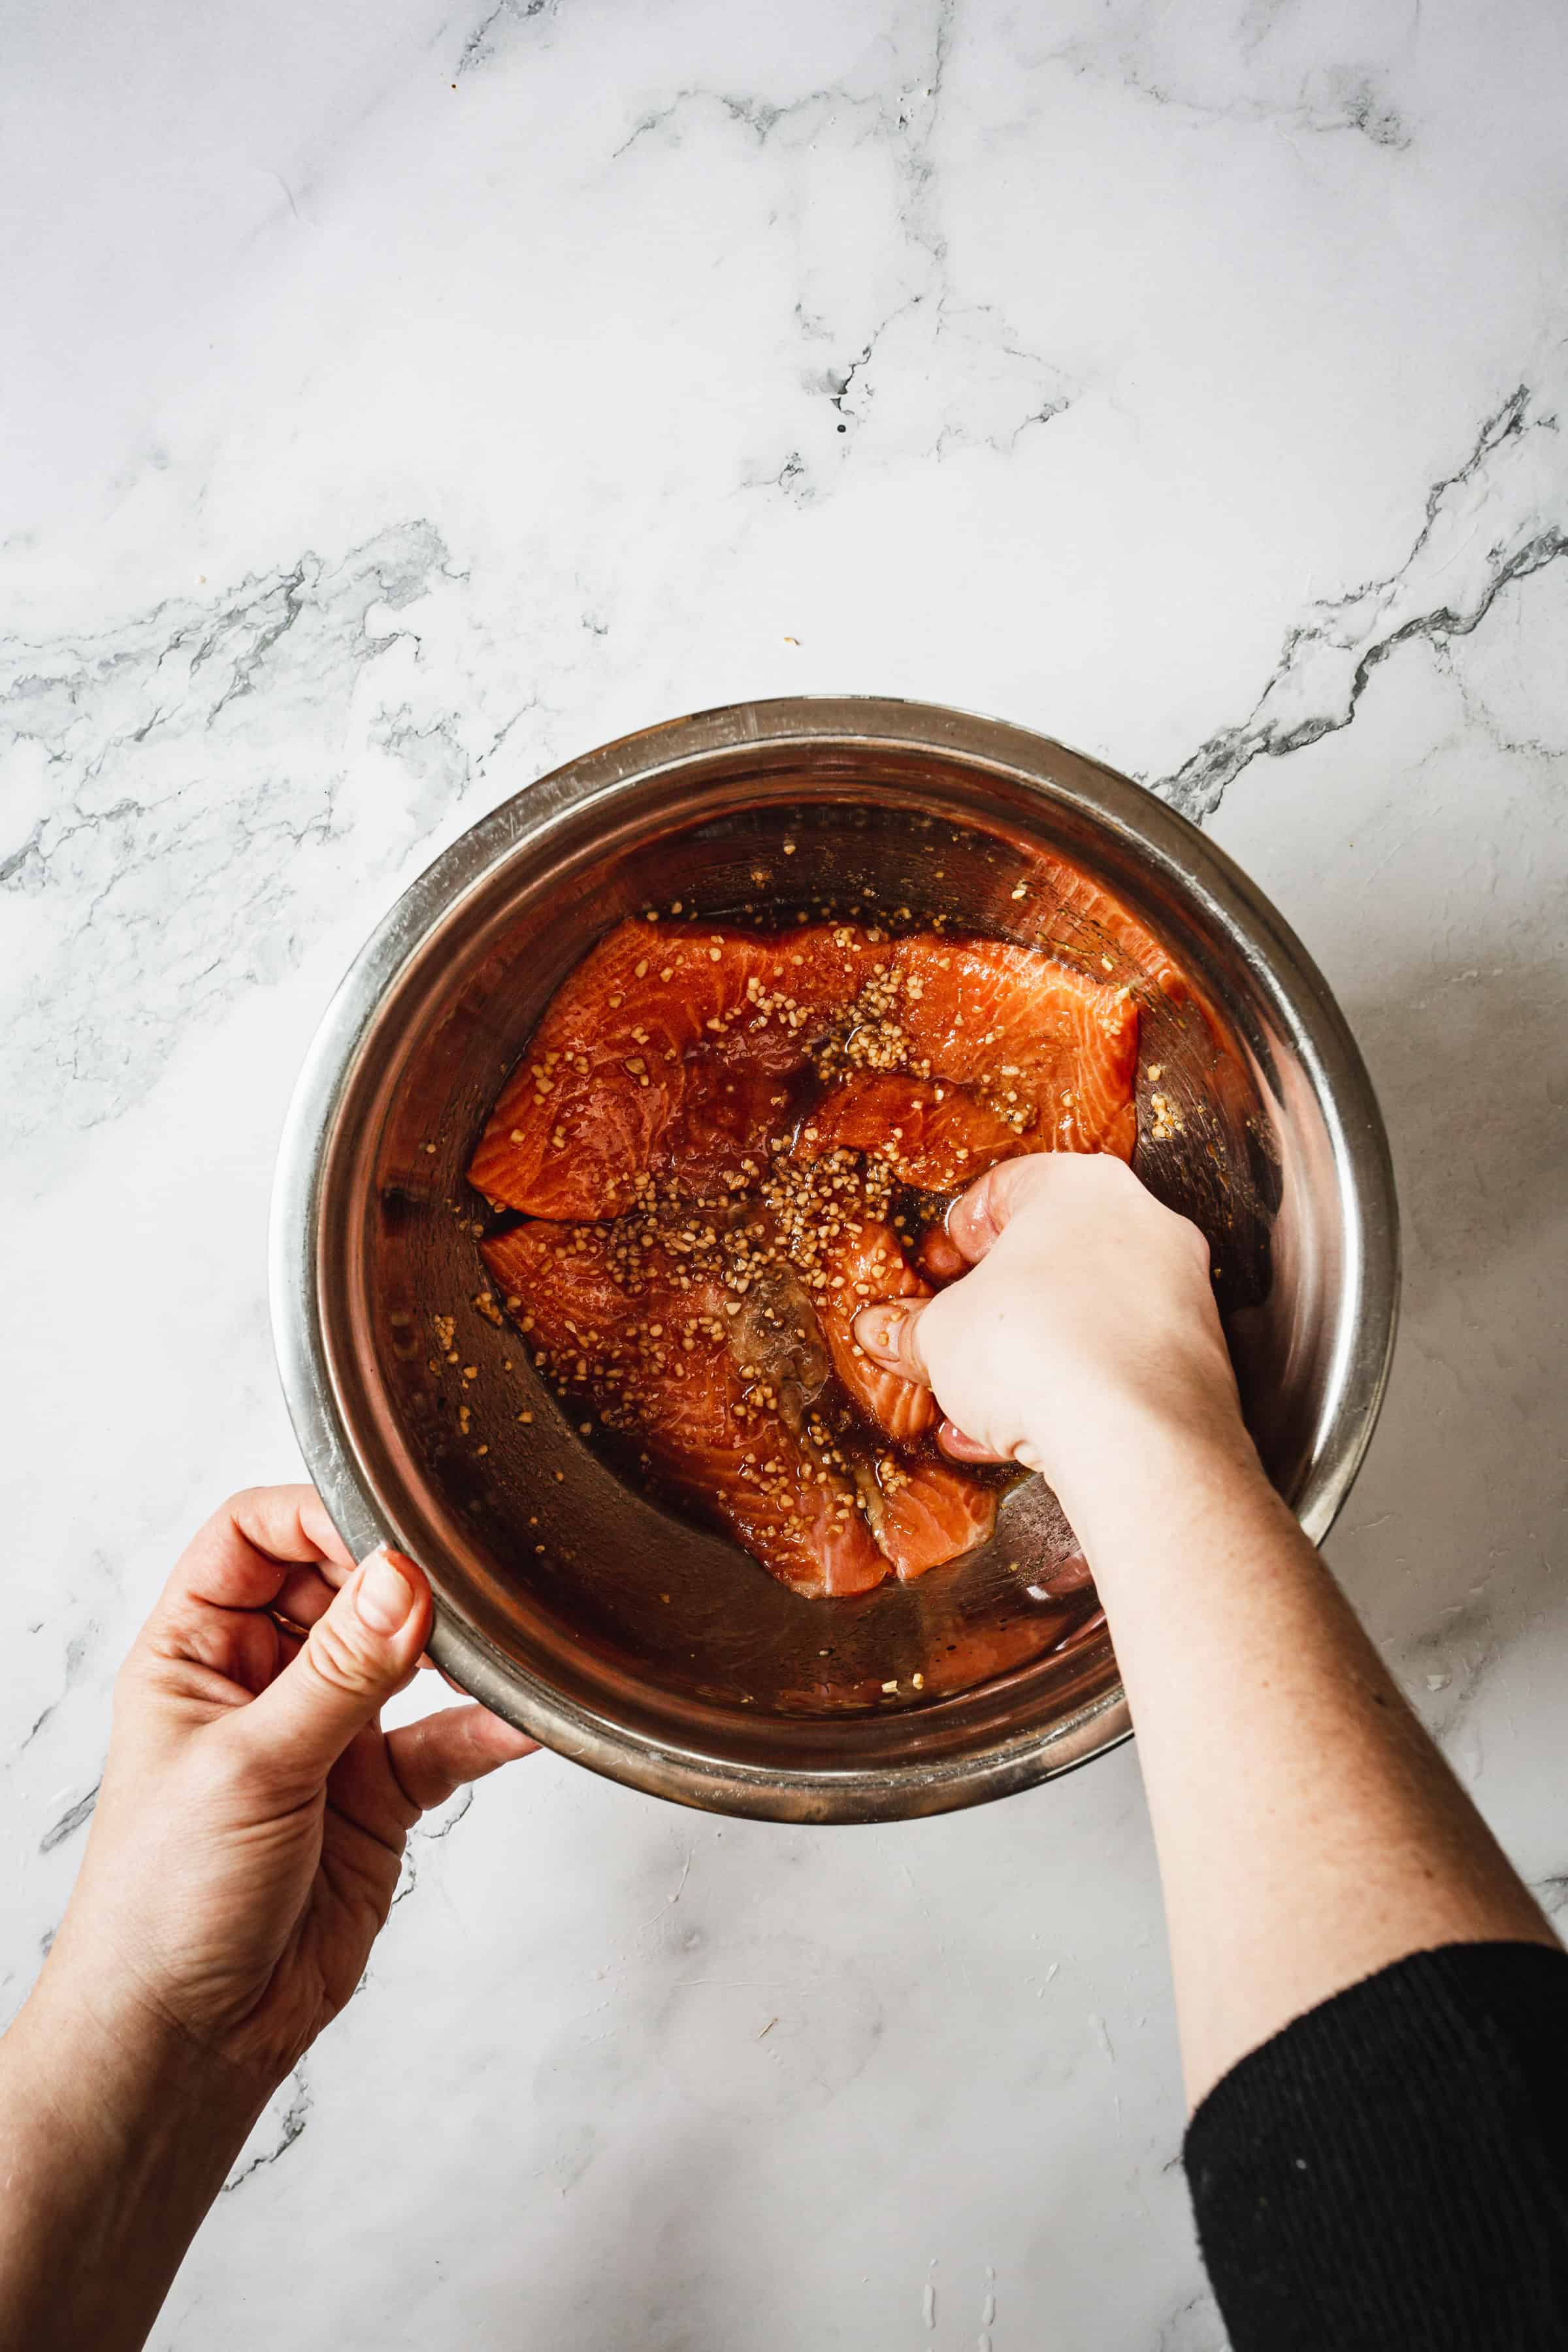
621,1635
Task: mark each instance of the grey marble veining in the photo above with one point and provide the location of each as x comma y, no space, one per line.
1499,519
410,401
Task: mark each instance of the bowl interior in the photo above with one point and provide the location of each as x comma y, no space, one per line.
643,1641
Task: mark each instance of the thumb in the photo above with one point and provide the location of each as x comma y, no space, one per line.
362,1650
890,1334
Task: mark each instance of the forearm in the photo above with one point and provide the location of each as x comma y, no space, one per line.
1308,1831
113,2144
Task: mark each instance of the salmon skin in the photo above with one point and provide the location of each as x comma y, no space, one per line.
668,1050
648,1344
708,1131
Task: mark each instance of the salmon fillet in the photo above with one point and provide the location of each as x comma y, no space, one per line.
1027,1034
668,1068
926,1513
727,1116
649,1346
1085,914
655,1057
937,1136
866,1265
1086,920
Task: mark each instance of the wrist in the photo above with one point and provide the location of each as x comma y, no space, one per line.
117,2072
116,2132
1139,1485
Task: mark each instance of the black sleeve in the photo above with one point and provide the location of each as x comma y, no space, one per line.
1390,2173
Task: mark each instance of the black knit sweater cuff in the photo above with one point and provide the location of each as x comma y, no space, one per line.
1390,2171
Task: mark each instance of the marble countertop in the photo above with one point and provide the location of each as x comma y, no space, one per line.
412,398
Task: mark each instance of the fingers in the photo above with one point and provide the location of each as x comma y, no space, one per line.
978,1218
960,1447
242,1557
436,1757
290,1523
941,1260
306,1593
890,1334
359,1652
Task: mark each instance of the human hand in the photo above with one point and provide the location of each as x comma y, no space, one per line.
247,1837
1084,1327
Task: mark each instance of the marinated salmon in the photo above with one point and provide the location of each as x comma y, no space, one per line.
649,1343
709,1132
1089,920
865,1266
926,1513
934,1136
655,1057
1039,1043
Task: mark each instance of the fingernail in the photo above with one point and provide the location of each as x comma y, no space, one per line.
876,1328
385,1596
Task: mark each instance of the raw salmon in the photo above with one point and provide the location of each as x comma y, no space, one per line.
1028,1035
926,1513
647,1340
937,1136
655,1057
696,1277
866,1265
728,1113
1089,920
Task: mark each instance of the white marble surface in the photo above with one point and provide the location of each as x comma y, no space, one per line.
409,398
